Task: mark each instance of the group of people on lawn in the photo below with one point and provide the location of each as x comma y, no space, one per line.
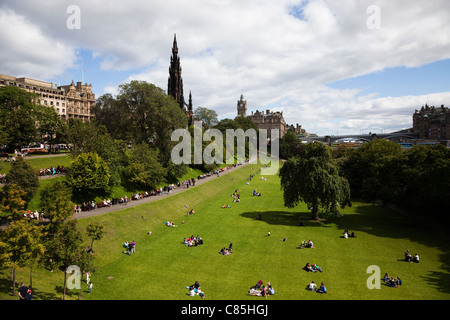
313,287
260,290
391,281
411,259
306,244
192,241
195,290
226,251
130,246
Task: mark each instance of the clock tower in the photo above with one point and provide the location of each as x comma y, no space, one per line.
242,107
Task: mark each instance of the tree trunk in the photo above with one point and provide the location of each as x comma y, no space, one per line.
14,281
31,277
315,211
64,290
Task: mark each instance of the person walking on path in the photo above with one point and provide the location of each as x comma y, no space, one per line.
91,285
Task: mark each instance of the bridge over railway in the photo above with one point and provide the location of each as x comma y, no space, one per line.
366,137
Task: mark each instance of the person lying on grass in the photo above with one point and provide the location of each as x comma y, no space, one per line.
170,224
312,268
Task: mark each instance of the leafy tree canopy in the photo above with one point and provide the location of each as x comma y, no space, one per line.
315,180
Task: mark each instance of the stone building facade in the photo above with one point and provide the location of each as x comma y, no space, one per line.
263,120
69,101
297,129
432,123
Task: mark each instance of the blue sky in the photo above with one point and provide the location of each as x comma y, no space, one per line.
317,61
402,81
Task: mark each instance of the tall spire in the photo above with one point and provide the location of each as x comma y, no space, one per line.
175,46
190,101
175,82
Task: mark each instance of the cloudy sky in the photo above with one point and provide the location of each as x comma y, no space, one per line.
333,66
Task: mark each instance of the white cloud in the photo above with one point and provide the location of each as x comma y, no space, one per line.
277,53
27,51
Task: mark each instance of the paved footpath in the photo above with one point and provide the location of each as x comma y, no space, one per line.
133,203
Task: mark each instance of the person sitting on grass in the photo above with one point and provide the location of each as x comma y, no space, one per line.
308,267
407,256
322,288
312,286
415,258
270,289
264,291
256,194
391,282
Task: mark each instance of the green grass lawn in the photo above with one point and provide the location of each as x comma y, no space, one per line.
162,266
38,163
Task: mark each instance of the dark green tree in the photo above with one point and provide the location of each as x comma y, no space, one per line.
88,174
93,137
23,174
144,169
50,126
364,165
20,246
55,201
11,201
425,174
18,116
95,231
207,116
290,145
315,180
66,248
148,115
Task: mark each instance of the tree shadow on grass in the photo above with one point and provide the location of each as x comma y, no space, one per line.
385,223
374,220
286,218
438,279
6,286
